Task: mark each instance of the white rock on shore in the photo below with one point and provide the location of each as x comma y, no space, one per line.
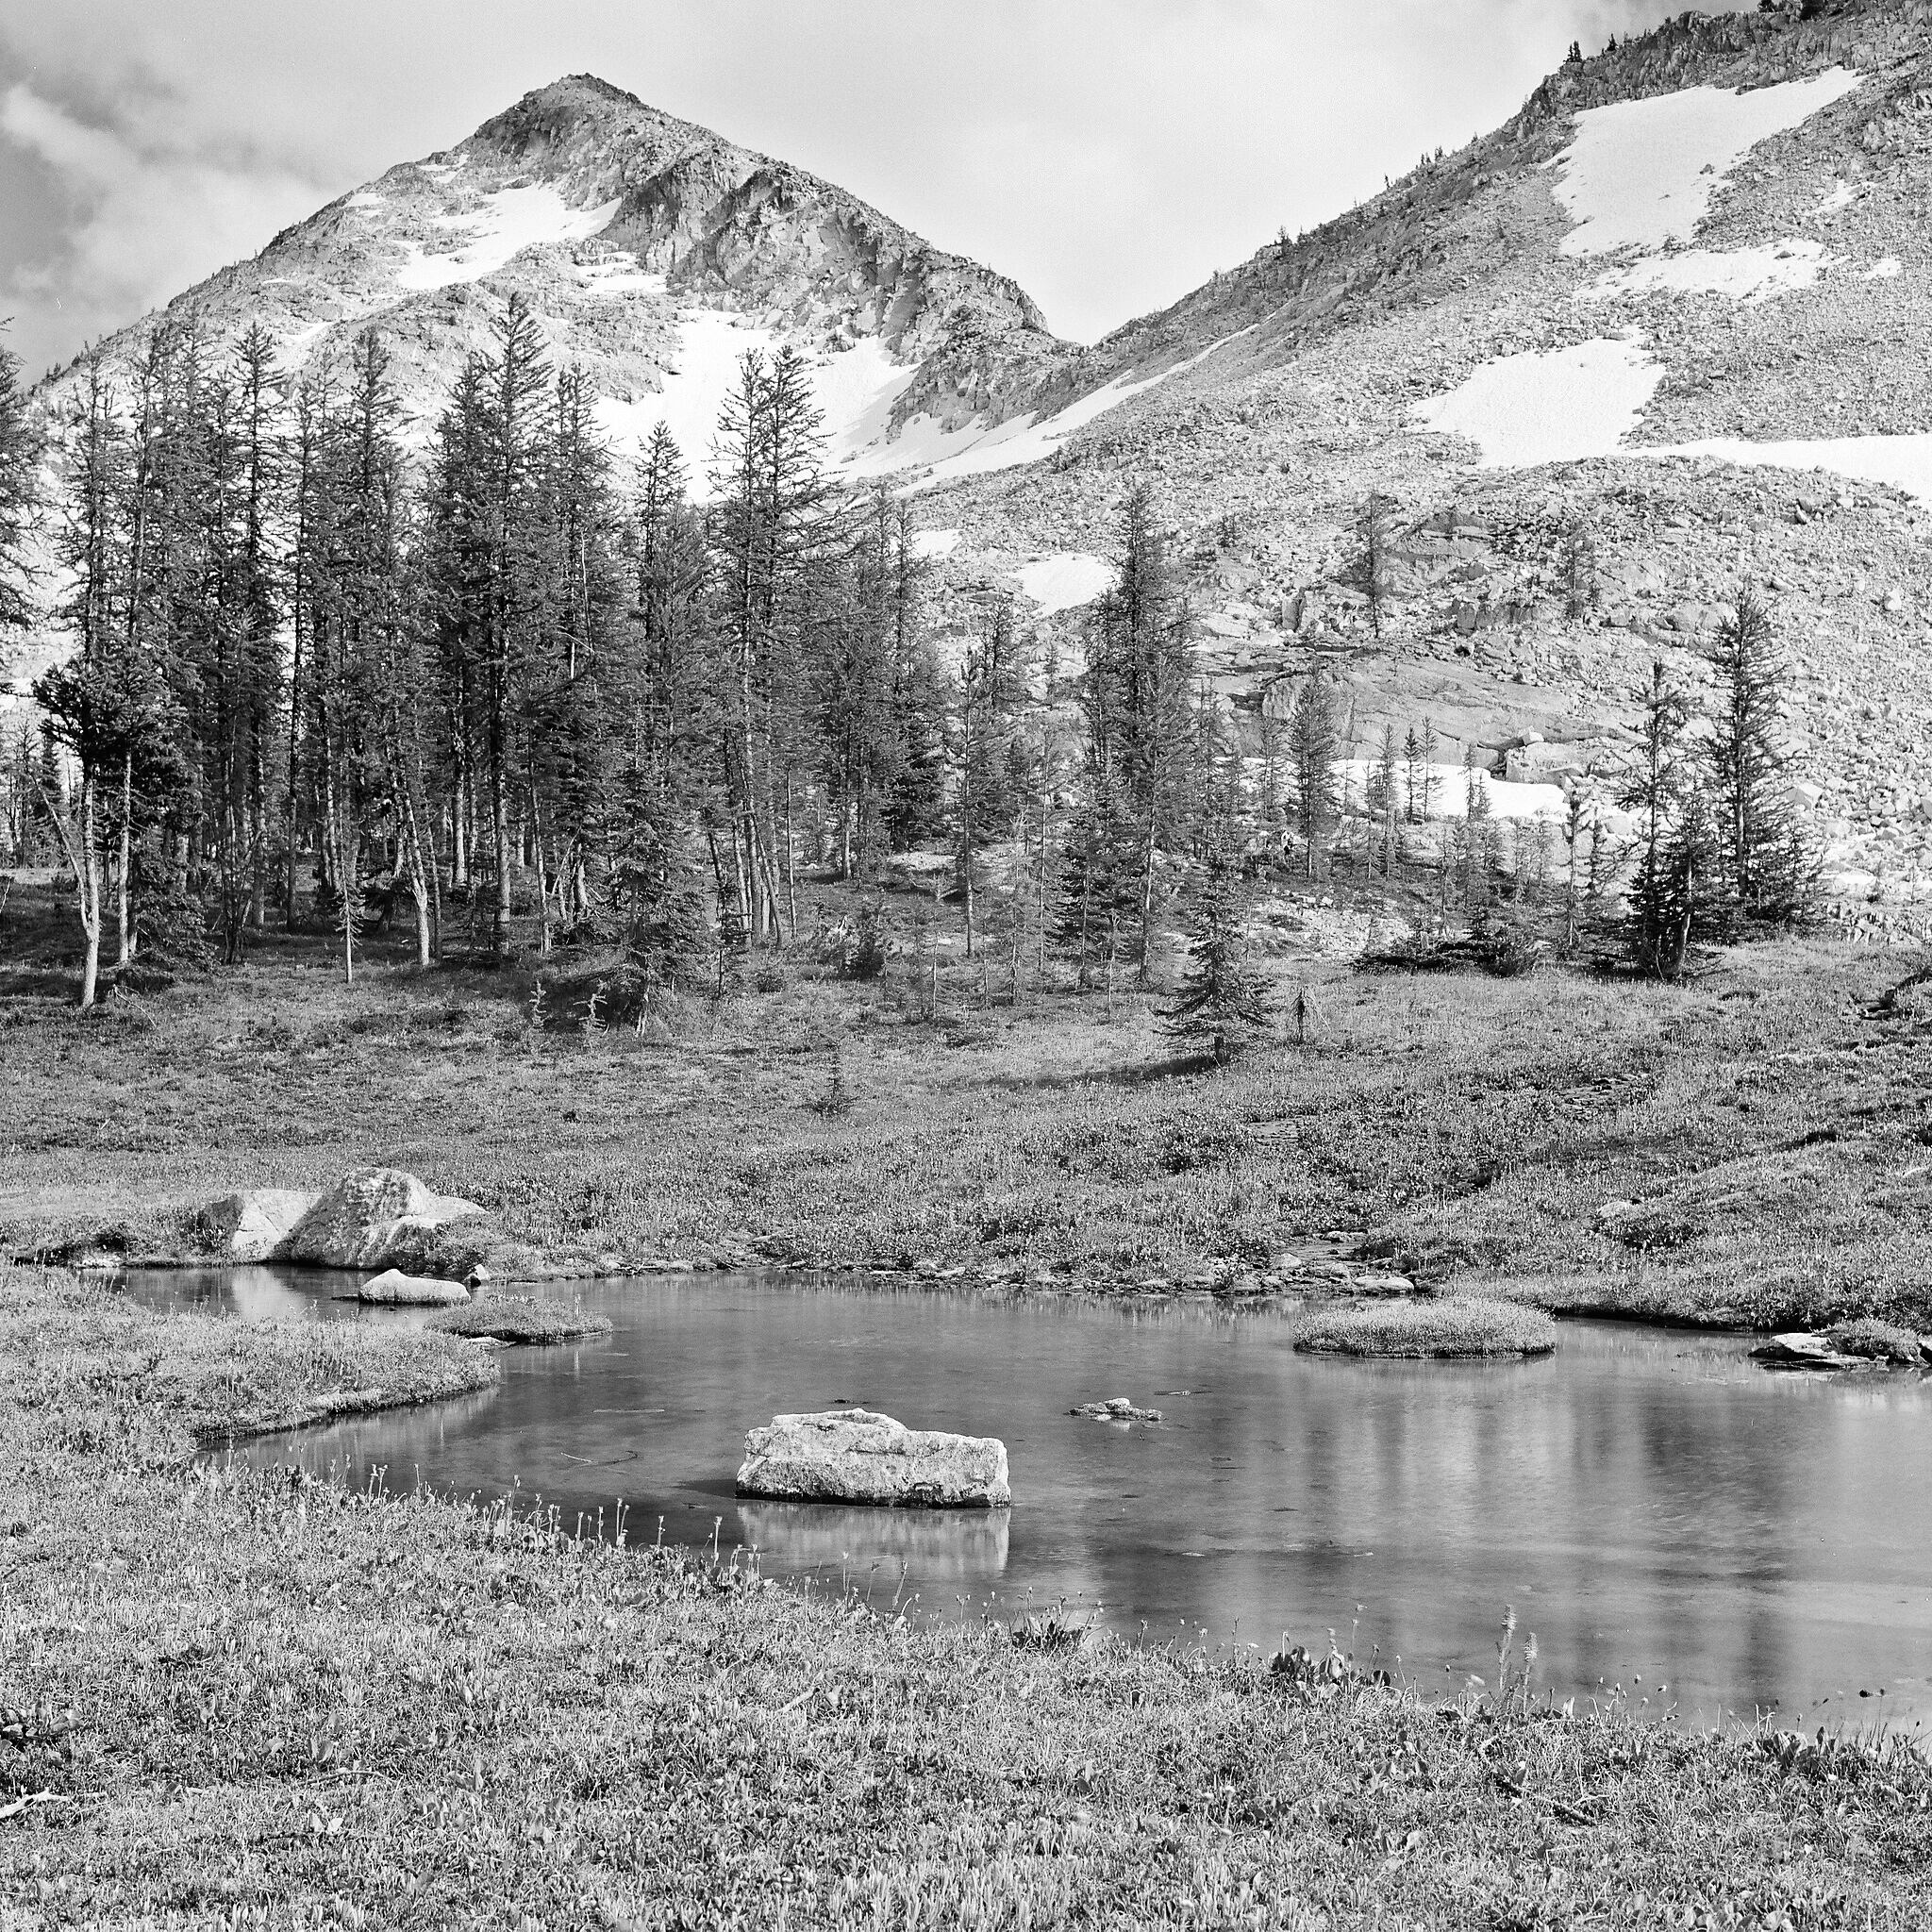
856,1456
254,1224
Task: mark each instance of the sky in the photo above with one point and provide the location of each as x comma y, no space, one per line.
1108,154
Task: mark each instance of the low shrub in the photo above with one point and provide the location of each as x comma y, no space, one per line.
1449,1329
1881,1340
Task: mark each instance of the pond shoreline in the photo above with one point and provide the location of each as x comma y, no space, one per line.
419,1667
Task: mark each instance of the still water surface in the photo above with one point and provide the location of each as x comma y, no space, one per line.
1656,1506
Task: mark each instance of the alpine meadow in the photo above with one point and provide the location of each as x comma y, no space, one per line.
819,1113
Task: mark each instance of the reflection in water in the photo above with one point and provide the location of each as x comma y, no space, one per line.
1652,1503
953,1546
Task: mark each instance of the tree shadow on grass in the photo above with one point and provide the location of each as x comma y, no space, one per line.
1137,1073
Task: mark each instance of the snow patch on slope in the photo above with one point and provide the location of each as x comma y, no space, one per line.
1450,787
1745,274
854,390
1549,406
1570,403
1904,462
1642,173
510,220
935,544
1066,582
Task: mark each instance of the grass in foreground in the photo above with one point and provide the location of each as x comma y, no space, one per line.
1456,1327
1764,1129
292,1705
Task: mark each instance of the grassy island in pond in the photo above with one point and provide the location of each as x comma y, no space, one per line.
1457,1328
520,1319
251,1699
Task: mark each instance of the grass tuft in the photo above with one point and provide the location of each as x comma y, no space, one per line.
1452,1329
520,1318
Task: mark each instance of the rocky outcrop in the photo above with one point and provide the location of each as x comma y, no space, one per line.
856,1456
255,1224
374,1217
412,1290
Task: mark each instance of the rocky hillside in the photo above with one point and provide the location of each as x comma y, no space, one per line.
1672,317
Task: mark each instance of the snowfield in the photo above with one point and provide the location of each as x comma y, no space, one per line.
1569,403
510,220
1449,791
1549,406
1745,274
1904,462
1641,174
1066,582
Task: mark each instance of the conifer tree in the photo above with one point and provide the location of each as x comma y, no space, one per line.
1765,869
1376,533
20,450
1657,930
1313,743
1223,1002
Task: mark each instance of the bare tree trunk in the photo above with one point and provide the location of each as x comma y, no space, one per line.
79,842
127,858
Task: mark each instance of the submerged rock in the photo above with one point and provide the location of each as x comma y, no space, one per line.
255,1224
412,1290
855,1455
374,1217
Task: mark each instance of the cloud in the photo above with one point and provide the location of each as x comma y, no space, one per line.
132,215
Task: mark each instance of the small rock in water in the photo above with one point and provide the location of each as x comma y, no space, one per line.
857,1456
1117,1409
412,1290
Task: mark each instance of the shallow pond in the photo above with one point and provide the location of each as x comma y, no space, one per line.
1663,1514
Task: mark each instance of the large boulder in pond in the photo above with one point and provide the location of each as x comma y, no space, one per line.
255,1224
412,1290
855,1455
374,1217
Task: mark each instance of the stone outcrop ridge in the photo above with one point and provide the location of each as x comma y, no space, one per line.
856,1456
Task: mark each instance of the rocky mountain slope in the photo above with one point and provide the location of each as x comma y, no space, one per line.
1678,305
